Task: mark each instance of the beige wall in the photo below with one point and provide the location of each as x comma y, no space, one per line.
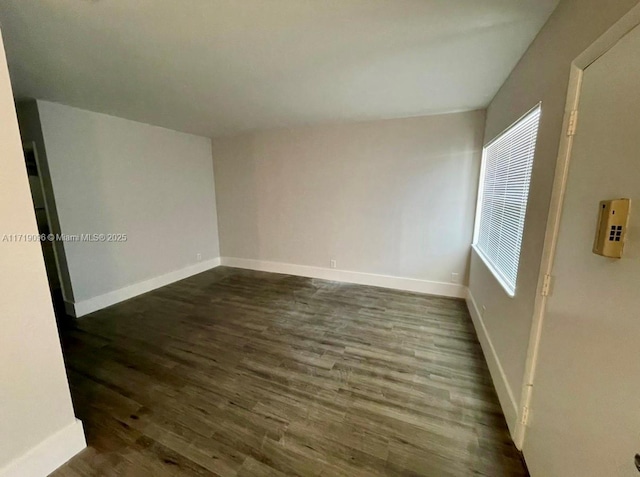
392,197
35,403
111,175
541,75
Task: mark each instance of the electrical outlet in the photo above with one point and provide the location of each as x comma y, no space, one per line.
198,256
332,263
455,277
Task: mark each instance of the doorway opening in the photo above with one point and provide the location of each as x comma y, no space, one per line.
45,229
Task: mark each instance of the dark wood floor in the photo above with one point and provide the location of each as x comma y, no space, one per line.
239,373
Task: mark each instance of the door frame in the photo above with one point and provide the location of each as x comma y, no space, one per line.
571,117
32,146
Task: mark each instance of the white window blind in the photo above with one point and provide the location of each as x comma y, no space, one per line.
502,199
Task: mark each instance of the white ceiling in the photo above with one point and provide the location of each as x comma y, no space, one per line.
215,67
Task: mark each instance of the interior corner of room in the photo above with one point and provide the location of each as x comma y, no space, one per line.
341,239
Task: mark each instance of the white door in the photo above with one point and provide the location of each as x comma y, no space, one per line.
585,408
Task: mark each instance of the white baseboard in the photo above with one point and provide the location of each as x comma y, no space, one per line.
102,301
498,376
49,454
360,278
398,283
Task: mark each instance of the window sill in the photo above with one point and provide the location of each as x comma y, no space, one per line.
510,293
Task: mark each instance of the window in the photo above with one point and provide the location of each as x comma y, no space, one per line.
502,199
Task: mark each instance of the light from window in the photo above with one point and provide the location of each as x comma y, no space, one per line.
502,198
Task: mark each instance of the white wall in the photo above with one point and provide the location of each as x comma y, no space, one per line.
584,406
38,430
111,175
393,197
541,75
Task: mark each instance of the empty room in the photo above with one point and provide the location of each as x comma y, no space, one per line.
319,238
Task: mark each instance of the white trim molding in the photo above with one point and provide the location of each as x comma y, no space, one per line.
50,454
360,278
102,301
498,376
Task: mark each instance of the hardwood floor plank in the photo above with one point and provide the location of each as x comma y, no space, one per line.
241,373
